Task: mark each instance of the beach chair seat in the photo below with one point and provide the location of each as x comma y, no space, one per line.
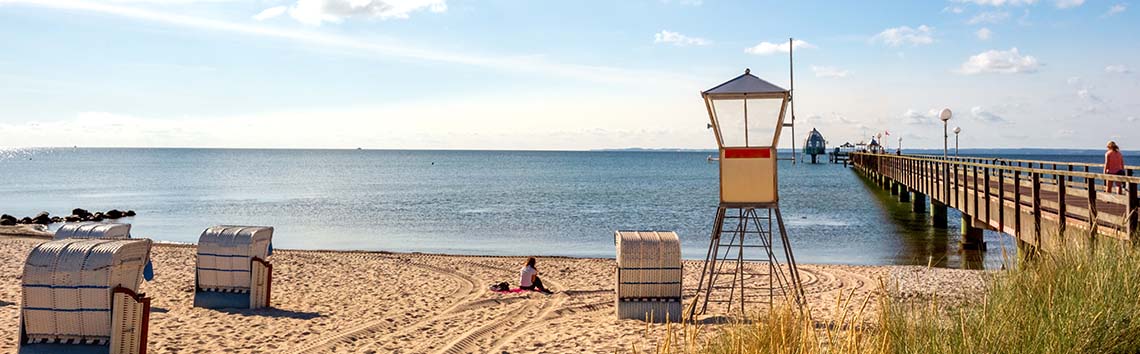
648,275
81,296
233,269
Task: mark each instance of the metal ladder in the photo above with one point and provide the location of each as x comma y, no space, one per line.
746,262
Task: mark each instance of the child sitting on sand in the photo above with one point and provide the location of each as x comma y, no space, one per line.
528,278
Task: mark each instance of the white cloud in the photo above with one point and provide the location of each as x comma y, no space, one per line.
998,3
1000,61
986,116
1065,133
767,48
270,13
316,12
984,34
377,47
906,35
1118,69
1066,4
989,17
953,9
829,71
915,117
678,39
1115,9
1086,95
490,121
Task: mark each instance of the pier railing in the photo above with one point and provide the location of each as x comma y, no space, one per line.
1068,198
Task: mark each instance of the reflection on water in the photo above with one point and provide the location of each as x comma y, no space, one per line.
924,244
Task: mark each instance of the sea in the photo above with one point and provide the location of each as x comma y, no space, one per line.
546,203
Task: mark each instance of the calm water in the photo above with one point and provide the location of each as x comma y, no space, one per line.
468,202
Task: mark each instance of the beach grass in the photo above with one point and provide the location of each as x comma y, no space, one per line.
1083,300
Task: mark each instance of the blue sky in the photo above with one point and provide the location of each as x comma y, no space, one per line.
455,74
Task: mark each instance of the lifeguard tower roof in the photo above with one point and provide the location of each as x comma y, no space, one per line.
745,84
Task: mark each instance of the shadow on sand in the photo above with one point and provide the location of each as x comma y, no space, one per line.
273,312
5,303
719,320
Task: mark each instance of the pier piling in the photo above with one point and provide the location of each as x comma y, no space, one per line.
904,194
919,202
971,236
938,214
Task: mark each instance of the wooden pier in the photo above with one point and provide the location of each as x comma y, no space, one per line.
1046,205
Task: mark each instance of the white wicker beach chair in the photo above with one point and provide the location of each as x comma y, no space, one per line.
81,296
233,269
648,275
93,230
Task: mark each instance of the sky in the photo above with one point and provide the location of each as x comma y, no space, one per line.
567,75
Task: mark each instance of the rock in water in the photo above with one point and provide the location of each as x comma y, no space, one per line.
98,216
56,219
7,220
80,212
43,218
113,214
72,218
129,213
26,220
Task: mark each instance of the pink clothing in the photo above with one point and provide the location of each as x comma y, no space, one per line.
1113,161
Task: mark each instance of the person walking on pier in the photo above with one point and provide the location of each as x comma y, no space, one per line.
1113,165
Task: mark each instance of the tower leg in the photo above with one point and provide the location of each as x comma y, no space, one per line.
709,266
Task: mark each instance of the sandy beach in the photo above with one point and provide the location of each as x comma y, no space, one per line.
378,302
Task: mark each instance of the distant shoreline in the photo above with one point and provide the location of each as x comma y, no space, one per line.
964,151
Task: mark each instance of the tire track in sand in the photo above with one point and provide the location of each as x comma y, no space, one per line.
467,292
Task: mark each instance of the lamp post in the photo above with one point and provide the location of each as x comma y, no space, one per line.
900,146
945,117
956,131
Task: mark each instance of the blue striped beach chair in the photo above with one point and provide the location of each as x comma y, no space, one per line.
81,296
233,269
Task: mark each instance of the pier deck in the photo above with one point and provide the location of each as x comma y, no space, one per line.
1045,204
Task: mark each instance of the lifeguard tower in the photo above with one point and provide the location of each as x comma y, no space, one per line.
746,115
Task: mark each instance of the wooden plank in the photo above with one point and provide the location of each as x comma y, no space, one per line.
1061,214
986,183
1035,179
1001,197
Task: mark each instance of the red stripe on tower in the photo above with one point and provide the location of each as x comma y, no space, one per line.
748,153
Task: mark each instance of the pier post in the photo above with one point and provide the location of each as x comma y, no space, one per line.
938,214
971,236
919,202
895,187
904,194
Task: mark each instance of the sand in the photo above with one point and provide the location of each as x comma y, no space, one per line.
376,302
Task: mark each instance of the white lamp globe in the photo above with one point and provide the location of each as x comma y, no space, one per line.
957,130
945,114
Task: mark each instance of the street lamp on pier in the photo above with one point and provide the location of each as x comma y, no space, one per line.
956,131
945,117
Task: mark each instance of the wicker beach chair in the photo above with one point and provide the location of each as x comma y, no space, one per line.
648,275
233,269
93,230
81,296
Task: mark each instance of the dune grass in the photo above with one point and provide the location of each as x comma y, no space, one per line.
1080,301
